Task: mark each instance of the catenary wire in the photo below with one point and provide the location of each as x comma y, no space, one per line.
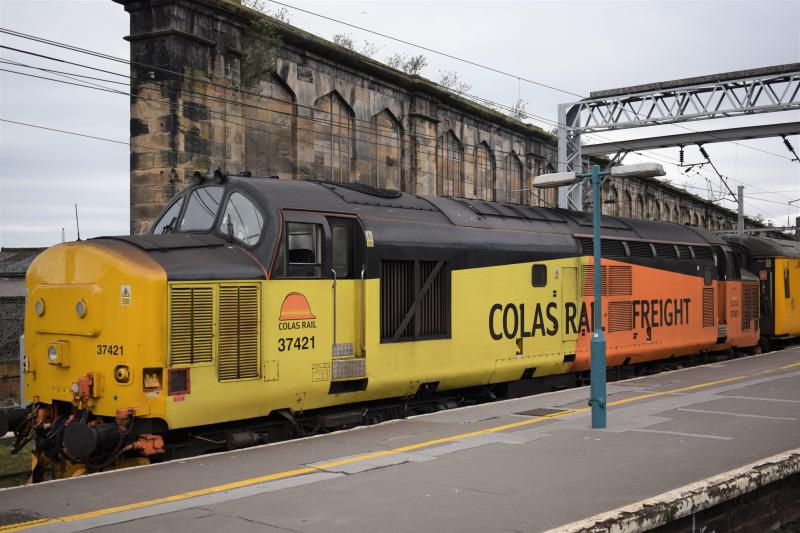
492,69
106,56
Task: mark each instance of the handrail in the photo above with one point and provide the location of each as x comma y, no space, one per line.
333,346
363,312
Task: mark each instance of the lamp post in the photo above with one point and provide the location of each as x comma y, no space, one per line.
597,372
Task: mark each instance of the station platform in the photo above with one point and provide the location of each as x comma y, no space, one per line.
677,440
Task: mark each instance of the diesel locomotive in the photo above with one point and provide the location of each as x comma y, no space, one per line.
259,308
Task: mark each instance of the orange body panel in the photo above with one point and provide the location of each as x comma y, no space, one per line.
665,311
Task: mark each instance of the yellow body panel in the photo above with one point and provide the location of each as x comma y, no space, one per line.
297,376
787,303
124,292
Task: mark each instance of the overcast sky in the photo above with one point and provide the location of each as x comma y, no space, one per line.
578,46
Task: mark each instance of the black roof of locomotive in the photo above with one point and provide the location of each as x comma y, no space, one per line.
765,246
397,217
465,232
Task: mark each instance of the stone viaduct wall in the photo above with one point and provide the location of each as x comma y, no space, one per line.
208,95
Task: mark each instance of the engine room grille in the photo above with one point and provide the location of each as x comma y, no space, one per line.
588,280
415,300
397,295
667,251
619,281
702,253
749,304
238,340
708,307
639,249
434,315
191,330
620,317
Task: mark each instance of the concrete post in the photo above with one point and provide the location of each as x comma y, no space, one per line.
740,221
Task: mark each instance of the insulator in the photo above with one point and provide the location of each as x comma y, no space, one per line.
788,144
680,156
703,151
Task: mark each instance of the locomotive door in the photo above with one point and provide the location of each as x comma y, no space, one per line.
348,365
318,279
723,275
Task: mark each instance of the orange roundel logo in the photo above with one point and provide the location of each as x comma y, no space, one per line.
295,307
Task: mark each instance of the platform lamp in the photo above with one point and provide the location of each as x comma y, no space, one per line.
597,396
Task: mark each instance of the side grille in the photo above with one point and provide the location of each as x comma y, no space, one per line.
667,251
415,300
191,329
749,304
397,296
238,342
588,280
587,245
434,315
612,249
702,253
619,281
708,307
620,317
684,251
640,249
608,247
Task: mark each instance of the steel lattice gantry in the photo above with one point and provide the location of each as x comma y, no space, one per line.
730,94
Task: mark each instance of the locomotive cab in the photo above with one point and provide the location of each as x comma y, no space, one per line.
777,265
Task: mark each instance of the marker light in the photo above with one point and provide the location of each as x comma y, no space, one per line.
80,308
58,353
52,355
38,307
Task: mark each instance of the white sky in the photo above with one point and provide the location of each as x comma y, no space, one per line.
578,46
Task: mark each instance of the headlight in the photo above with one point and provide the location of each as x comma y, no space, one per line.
38,307
52,355
80,308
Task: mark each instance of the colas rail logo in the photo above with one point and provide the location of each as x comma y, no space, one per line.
296,313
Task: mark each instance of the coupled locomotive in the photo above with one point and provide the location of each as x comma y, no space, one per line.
255,301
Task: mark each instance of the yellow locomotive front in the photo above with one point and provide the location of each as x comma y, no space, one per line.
94,351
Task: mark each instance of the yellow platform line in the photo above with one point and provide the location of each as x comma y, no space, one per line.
355,459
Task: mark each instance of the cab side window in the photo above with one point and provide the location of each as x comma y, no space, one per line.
202,208
303,245
786,292
242,220
169,222
342,247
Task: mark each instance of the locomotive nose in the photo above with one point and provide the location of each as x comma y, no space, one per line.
91,308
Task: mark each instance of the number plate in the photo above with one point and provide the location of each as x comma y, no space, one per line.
110,349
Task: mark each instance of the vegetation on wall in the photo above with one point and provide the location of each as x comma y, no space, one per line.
261,43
